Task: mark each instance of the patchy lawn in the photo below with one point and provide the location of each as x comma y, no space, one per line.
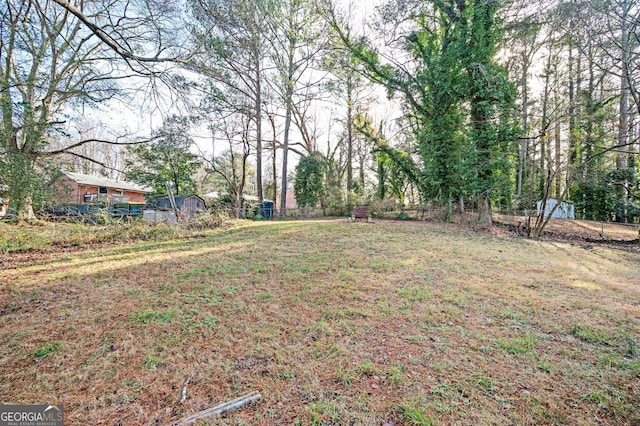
334,323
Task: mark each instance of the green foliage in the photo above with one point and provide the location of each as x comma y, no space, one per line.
593,195
460,104
521,345
148,316
167,159
589,335
25,179
414,414
395,167
47,350
153,361
333,196
47,71
366,368
309,186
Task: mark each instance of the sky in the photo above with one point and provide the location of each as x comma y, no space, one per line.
130,118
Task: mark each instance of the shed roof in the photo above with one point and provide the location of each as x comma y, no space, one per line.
82,179
163,202
554,200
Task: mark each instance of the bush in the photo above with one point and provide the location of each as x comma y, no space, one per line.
42,234
337,210
208,220
403,216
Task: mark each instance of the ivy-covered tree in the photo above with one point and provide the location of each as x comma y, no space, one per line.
395,168
492,104
457,100
308,186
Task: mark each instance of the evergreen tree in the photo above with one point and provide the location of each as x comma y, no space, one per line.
167,159
308,186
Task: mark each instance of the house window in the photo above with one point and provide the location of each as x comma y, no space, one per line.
118,193
102,190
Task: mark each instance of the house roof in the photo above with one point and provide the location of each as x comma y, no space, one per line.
81,179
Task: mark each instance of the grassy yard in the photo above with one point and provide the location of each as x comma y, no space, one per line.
396,323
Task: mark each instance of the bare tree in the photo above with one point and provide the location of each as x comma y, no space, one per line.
232,36
295,33
53,63
228,160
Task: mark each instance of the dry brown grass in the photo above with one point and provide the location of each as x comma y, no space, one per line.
581,230
334,323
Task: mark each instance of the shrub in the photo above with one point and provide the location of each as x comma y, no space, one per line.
208,220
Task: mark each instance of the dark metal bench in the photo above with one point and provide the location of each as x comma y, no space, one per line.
361,212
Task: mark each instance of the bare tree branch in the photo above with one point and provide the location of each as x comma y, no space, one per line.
106,38
67,150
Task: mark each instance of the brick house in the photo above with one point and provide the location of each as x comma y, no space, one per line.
80,188
291,202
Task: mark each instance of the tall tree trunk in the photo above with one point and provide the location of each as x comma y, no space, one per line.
544,133
258,108
275,176
382,177
558,156
274,147
623,123
461,205
285,151
361,173
524,143
573,160
557,131
485,211
275,171
349,138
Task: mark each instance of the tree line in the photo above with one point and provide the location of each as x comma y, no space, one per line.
495,104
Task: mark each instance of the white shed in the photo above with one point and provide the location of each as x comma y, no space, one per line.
565,210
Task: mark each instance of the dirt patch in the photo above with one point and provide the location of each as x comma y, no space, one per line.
584,233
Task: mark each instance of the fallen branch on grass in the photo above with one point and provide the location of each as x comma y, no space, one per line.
219,409
184,391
